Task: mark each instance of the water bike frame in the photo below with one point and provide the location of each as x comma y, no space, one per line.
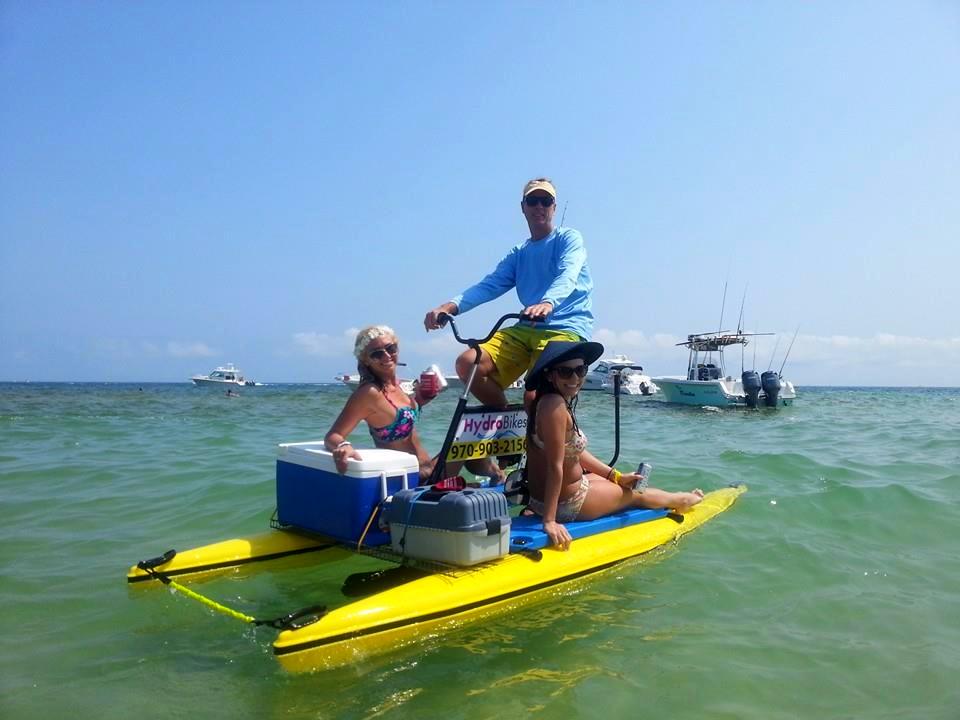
439,469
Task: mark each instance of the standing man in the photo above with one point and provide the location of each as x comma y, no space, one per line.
549,271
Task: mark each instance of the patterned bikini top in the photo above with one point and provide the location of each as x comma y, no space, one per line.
402,425
575,444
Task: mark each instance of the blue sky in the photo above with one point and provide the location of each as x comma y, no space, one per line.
187,184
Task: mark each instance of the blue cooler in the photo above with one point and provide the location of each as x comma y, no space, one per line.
462,528
313,496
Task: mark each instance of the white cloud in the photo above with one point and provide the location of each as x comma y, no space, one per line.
634,341
435,345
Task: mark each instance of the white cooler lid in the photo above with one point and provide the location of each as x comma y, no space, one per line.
374,461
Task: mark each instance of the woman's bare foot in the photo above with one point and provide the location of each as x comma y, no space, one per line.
684,501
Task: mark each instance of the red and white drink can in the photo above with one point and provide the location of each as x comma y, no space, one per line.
431,382
428,385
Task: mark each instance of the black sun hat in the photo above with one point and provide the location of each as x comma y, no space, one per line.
559,351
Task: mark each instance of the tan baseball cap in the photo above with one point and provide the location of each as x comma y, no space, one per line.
540,184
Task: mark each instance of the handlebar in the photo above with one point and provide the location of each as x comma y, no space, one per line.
473,342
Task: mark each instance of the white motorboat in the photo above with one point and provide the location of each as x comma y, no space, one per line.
225,375
708,384
632,380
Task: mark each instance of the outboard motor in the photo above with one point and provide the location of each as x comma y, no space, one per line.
771,387
751,387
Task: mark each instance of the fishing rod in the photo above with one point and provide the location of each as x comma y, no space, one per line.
723,304
788,350
740,326
564,213
770,364
742,301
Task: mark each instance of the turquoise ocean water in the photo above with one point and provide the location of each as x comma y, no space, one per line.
830,590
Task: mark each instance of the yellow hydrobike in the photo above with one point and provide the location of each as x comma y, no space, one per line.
457,555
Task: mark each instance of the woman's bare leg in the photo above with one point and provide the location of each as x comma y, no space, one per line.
656,498
605,497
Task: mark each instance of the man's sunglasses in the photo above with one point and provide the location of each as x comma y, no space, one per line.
541,200
567,372
381,353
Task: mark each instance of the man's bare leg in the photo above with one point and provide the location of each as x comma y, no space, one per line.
484,388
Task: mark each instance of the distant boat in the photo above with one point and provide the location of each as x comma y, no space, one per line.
353,381
453,382
707,383
632,382
224,375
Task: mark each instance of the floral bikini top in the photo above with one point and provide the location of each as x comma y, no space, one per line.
402,425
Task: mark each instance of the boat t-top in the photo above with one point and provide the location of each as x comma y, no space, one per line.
223,376
708,384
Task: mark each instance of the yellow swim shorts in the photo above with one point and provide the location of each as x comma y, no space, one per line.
515,349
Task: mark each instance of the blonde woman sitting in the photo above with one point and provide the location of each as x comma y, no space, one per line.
390,414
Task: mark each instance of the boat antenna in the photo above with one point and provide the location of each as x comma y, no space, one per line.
788,350
564,213
770,364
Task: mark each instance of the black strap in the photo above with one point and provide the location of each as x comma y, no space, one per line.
297,619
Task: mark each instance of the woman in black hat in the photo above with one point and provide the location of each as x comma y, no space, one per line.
566,482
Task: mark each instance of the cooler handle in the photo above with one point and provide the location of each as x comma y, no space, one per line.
383,483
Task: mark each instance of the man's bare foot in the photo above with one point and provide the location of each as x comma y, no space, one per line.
684,501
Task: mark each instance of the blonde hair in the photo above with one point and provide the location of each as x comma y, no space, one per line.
367,335
364,338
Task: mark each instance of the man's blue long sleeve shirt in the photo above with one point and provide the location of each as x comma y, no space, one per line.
553,269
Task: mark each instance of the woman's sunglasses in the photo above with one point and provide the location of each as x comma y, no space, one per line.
567,372
534,200
381,353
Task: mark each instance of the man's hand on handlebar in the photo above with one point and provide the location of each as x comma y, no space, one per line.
438,317
537,312
435,319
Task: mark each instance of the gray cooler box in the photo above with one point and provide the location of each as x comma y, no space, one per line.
462,528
